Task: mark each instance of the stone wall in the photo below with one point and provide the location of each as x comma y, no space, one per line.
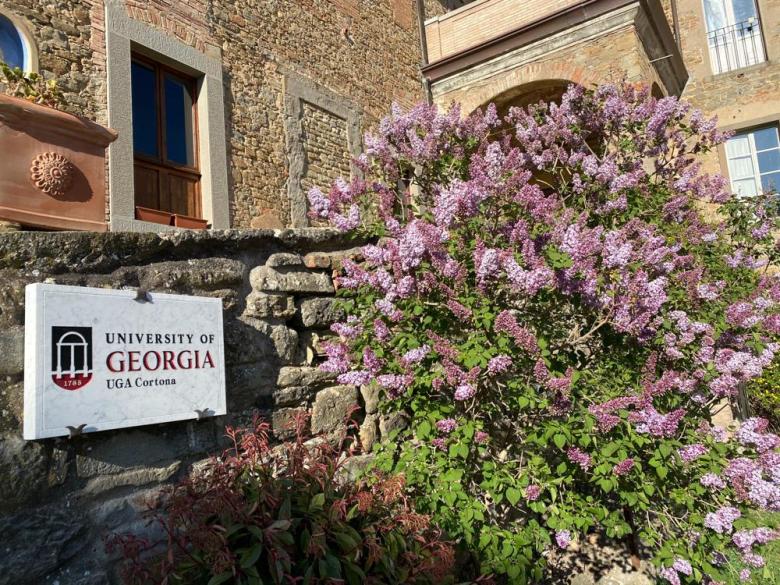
60,497
365,52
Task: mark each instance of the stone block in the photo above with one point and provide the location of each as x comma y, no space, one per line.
247,383
132,478
303,376
293,395
206,274
228,296
395,421
124,451
311,345
370,396
331,408
11,351
320,311
38,541
317,260
12,297
355,466
270,305
23,472
283,421
369,433
11,405
268,279
249,340
284,259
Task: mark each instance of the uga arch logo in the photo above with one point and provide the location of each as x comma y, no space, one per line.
71,357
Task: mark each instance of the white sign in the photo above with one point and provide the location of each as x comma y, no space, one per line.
102,359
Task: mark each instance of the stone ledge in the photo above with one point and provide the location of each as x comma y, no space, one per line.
82,252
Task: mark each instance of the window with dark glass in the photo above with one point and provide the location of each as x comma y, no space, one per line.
12,49
165,139
754,160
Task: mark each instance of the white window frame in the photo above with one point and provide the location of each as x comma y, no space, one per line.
124,36
730,49
754,152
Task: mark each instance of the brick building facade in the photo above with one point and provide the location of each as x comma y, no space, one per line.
283,90
290,88
720,55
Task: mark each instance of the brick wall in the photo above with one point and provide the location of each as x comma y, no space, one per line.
60,497
325,146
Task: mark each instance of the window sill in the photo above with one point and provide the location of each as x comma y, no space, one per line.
128,224
739,72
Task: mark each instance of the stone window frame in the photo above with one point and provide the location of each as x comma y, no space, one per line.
125,36
25,30
298,89
745,126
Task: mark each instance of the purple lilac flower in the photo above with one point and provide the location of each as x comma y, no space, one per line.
692,452
394,384
481,437
576,455
319,204
506,322
721,521
753,559
416,355
711,480
563,538
381,330
371,361
338,361
682,566
745,539
498,365
447,425
349,330
744,575
347,222
439,443
670,575
389,310
708,292
464,392
355,378
461,312
753,432
532,493
650,421
623,467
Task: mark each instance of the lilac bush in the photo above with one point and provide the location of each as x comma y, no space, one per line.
558,305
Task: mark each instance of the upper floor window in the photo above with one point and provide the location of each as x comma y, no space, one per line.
15,50
167,177
754,161
733,34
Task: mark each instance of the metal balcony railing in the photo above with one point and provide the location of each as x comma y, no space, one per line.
736,46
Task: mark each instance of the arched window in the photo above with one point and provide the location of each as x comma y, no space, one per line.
15,47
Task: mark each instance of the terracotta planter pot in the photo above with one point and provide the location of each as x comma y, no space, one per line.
193,223
52,169
154,215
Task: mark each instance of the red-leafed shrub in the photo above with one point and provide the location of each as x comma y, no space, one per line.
289,514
